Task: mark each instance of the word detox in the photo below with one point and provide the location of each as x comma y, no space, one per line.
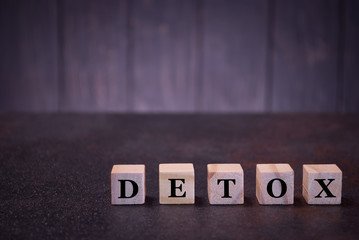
322,184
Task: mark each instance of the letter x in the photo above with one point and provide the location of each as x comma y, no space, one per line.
325,188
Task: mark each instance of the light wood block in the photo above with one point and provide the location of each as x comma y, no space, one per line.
128,184
225,184
322,184
274,184
176,183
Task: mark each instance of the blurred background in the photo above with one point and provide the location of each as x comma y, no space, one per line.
179,56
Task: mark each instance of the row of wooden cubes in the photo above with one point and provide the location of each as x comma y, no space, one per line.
322,184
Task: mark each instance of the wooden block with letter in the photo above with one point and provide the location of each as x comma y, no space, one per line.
176,183
322,184
128,184
225,184
274,184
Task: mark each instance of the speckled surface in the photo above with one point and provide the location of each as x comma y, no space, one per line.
55,175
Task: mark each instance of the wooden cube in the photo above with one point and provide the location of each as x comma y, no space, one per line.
225,184
176,183
322,184
128,184
274,184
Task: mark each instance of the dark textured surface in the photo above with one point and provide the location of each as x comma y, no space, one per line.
164,59
28,55
93,52
234,55
351,57
176,56
55,174
305,55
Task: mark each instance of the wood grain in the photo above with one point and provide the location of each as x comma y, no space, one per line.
135,173
351,57
234,57
313,192
28,56
179,56
183,176
94,53
267,173
305,55
225,183
164,55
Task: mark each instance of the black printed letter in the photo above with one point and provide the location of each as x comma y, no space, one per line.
123,188
324,188
226,186
270,188
173,187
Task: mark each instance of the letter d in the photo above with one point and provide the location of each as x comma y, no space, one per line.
123,188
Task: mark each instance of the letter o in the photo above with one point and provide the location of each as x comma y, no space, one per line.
270,188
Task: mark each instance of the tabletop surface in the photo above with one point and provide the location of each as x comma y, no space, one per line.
55,174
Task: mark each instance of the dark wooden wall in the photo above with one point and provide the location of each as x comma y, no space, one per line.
179,55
